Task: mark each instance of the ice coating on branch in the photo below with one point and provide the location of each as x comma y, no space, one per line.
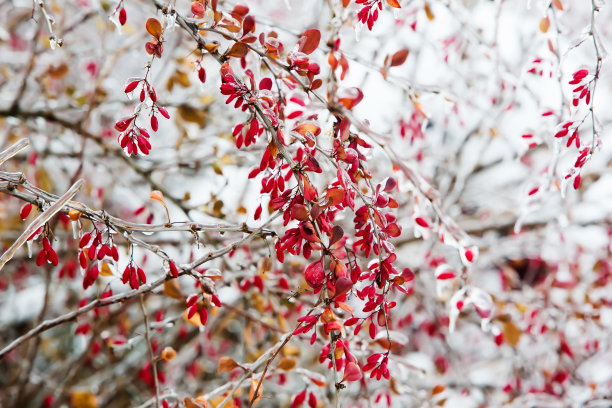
169,20
456,303
484,305
470,295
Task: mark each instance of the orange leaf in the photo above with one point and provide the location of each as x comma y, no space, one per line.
512,334
191,403
428,12
157,195
287,363
544,24
238,50
394,3
309,41
419,108
304,128
399,57
195,319
173,290
154,27
558,5
345,307
105,270
252,392
437,389
335,196
226,364
83,399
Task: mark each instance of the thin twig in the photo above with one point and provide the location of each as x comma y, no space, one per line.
184,270
147,336
40,221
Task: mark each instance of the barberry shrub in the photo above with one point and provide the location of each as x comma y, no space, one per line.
360,203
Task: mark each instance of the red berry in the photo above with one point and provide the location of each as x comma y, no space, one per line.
122,16
25,211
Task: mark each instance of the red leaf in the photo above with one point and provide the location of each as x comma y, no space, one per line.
198,9
350,97
393,230
352,372
336,235
343,285
422,222
309,41
298,399
399,57
248,26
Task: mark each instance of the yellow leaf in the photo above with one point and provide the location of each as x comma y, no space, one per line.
173,290
195,319
192,115
217,400
287,363
291,350
182,78
83,399
105,270
544,24
58,72
428,12
45,182
228,159
191,403
512,334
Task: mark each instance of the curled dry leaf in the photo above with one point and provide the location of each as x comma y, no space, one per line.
238,50
157,195
226,364
252,397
